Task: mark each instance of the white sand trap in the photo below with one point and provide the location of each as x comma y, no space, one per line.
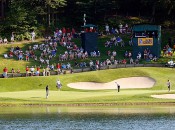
125,83
164,96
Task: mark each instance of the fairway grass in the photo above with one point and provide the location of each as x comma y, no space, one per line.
72,98
31,90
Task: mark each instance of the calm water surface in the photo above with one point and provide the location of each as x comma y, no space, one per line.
56,118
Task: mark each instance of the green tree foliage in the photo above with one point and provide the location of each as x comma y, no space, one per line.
25,15
19,20
51,6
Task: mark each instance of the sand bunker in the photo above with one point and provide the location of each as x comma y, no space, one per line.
164,96
125,83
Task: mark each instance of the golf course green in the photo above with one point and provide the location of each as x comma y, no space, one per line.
31,90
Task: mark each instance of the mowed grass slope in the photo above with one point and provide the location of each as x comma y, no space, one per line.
15,63
31,90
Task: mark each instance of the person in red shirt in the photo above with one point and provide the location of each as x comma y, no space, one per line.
68,31
124,61
58,66
37,71
73,32
11,54
86,30
94,30
64,31
27,58
90,29
5,70
27,71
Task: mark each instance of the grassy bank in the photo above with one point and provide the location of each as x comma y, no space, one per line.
31,90
21,64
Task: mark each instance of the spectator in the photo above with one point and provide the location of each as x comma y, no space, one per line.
108,52
20,56
37,71
136,61
139,56
126,28
73,33
44,72
115,62
68,66
169,51
52,67
116,31
122,43
129,54
75,63
164,51
18,71
145,54
91,63
131,61
13,71
32,69
58,66
112,30
64,31
98,53
12,37
63,66
120,28
5,40
124,61
27,71
150,56
27,57
126,54
131,42
155,58
47,71
108,62
10,54
5,71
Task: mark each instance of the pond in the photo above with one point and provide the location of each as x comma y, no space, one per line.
87,118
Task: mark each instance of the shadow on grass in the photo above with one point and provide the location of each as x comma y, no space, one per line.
35,97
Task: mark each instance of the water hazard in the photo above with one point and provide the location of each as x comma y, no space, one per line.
79,118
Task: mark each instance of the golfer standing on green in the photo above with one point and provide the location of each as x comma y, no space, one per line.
47,91
118,86
58,84
169,85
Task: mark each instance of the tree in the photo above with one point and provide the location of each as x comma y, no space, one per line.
51,5
160,9
19,20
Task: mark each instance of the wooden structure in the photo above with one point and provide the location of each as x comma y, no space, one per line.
146,37
89,37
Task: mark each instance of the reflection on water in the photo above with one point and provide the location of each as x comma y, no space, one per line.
73,118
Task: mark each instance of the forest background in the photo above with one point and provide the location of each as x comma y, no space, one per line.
43,16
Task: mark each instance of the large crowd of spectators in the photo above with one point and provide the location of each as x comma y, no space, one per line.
63,37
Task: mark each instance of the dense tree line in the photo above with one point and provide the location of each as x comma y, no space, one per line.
23,16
